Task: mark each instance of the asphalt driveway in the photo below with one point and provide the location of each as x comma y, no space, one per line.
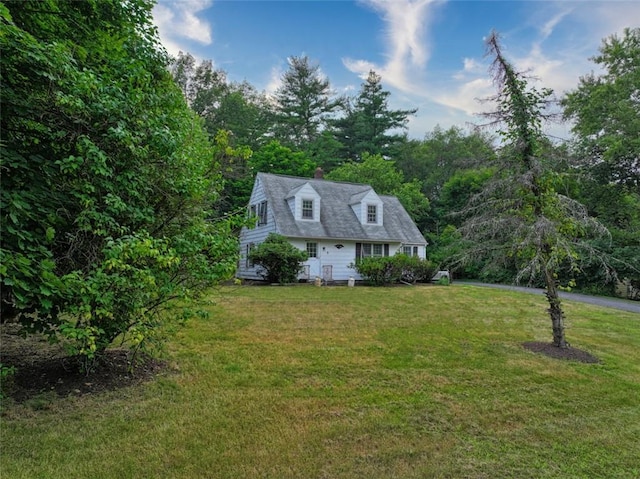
616,303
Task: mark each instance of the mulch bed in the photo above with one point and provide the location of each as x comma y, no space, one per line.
570,354
42,368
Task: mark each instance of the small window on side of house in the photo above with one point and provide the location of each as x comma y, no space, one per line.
262,213
248,262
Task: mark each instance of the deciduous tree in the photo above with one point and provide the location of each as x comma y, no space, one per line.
605,109
385,179
106,177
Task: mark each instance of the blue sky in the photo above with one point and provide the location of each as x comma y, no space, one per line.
429,53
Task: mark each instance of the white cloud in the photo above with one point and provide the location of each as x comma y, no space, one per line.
275,80
549,25
178,23
406,49
466,96
608,17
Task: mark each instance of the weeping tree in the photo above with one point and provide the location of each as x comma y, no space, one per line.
518,217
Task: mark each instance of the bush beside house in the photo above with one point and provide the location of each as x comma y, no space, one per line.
394,269
279,260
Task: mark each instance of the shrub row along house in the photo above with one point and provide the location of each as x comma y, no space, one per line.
334,222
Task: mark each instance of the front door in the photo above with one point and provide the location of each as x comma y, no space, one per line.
327,272
314,268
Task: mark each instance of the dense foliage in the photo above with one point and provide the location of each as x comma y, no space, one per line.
605,109
107,177
279,260
399,268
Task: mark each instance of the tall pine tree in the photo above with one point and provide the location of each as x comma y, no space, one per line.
369,125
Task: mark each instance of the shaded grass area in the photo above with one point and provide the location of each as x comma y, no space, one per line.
336,382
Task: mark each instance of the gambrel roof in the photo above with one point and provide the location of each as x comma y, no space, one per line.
337,218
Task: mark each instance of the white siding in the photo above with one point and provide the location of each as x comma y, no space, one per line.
255,235
306,192
328,255
338,258
360,209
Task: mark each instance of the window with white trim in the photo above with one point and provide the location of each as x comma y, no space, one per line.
262,213
372,213
248,262
367,250
312,249
307,209
410,250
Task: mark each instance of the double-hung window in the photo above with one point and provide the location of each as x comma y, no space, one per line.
262,213
312,249
367,250
307,209
372,213
410,250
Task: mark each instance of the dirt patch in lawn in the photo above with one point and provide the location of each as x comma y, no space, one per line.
43,368
570,354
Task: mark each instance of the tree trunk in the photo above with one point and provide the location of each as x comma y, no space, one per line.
555,310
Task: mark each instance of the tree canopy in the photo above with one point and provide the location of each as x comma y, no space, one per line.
605,109
107,176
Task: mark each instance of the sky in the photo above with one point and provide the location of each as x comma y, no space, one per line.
429,53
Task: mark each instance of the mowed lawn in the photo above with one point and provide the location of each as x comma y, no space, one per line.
337,382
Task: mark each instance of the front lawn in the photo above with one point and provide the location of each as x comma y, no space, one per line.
337,382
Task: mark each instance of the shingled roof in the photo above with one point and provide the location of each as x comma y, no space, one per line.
337,219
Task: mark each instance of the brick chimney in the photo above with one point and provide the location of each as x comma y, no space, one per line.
319,174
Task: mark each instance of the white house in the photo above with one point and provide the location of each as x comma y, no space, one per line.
334,222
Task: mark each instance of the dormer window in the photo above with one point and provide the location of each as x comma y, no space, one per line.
307,209
304,203
372,214
368,207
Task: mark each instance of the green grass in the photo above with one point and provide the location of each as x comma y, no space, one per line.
306,382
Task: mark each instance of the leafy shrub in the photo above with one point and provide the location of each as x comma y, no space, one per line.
393,269
378,271
414,269
108,179
279,259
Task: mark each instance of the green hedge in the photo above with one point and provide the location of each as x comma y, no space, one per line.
394,269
